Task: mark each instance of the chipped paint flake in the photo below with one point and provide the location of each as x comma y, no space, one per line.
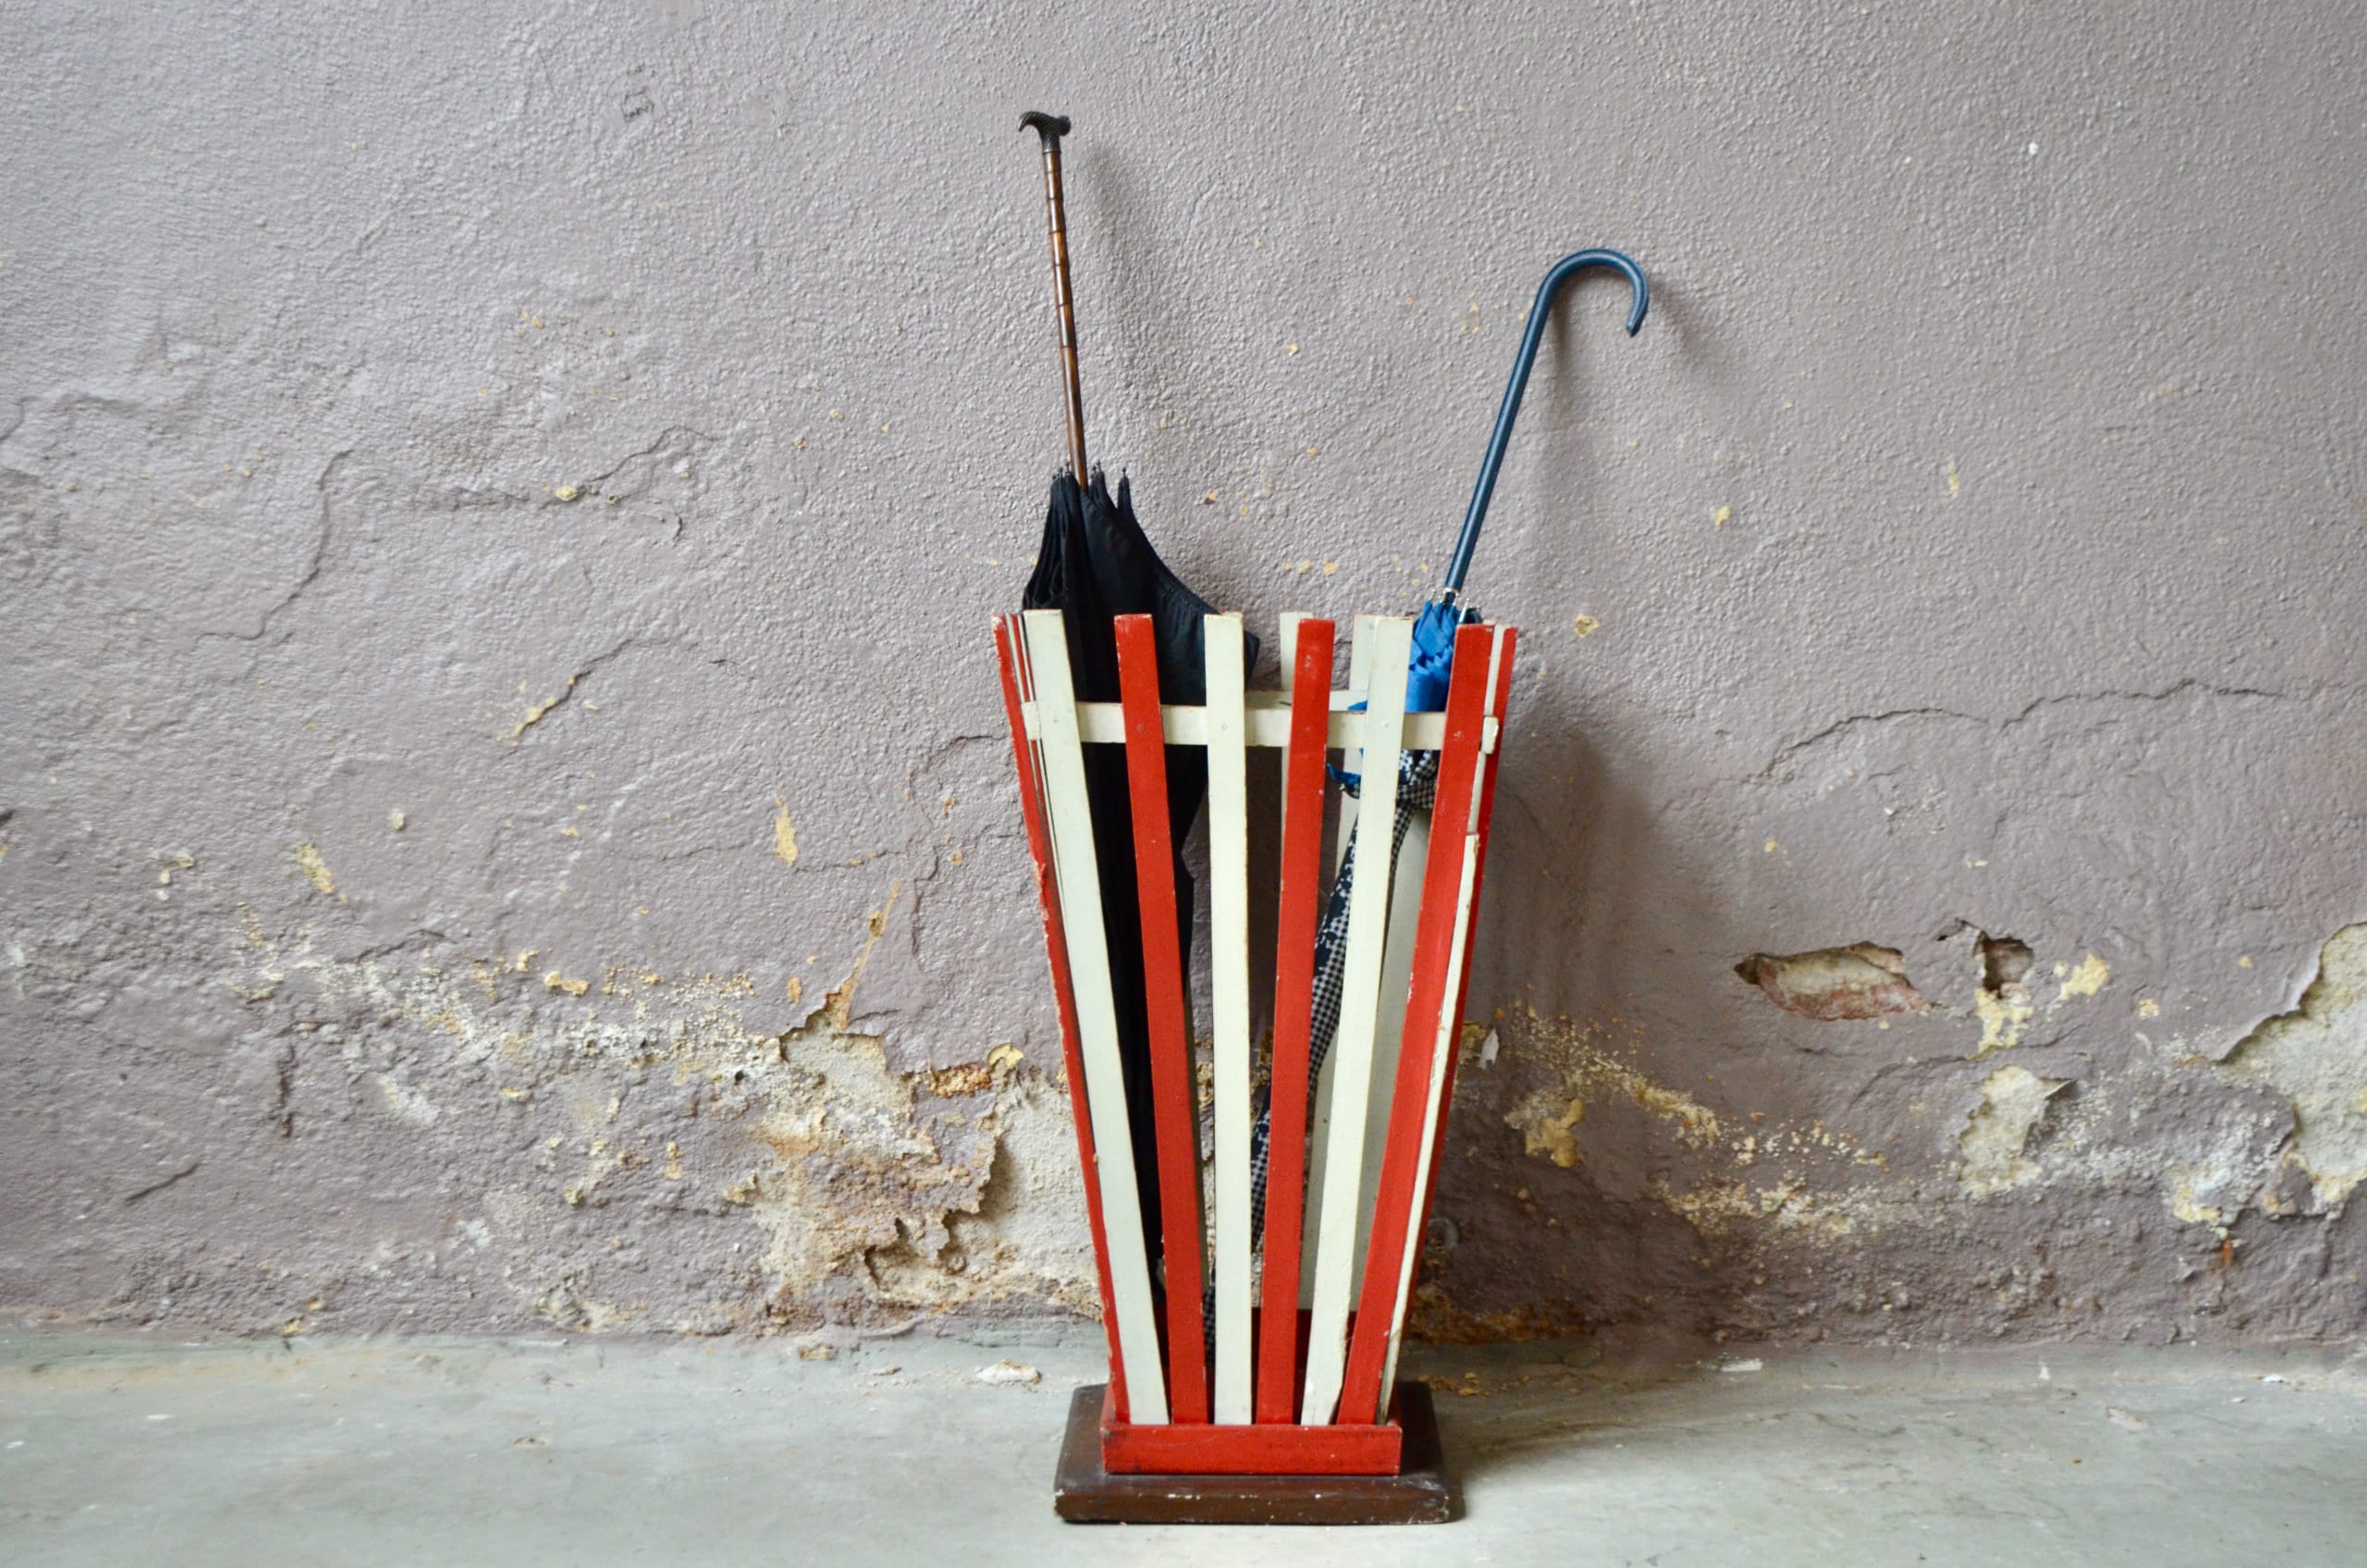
2002,1000
784,833
1550,1133
316,870
2085,980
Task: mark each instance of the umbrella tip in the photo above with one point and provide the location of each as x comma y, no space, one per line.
1051,128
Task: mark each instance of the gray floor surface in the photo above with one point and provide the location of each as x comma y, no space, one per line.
586,1452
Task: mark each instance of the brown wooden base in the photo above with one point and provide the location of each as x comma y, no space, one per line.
1420,1493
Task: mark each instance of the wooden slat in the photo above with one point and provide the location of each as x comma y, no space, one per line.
1071,820
1228,999
1286,654
1500,683
1173,1089
1351,746
1250,1451
1104,724
1350,1062
1443,1049
1408,1104
1415,1489
1031,809
1299,913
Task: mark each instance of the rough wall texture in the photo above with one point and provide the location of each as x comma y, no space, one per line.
504,809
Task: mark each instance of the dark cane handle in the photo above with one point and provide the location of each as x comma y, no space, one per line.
1051,128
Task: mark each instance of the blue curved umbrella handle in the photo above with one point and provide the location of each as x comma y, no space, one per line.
1563,270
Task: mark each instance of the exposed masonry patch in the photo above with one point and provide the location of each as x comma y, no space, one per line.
2001,1002
877,1197
1547,1117
2316,1057
1701,1152
1833,984
1995,1140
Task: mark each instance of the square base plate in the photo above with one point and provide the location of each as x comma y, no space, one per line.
1422,1493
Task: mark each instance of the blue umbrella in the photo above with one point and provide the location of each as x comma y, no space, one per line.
1434,630
1426,683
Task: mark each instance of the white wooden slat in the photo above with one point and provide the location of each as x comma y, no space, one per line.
1450,1025
1103,724
1079,881
1442,1046
1390,639
1389,1023
1229,997
1351,749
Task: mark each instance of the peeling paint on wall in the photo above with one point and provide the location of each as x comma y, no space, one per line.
1585,1071
1996,1139
2316,1057
2085,980
1832,984
2002,1002
873,1196
316,869
784,834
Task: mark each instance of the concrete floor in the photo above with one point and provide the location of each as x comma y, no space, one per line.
117,1451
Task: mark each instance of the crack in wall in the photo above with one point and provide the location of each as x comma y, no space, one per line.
2029,711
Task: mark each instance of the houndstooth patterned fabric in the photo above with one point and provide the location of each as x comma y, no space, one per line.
1418,778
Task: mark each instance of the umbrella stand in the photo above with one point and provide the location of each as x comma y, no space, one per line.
1313,1427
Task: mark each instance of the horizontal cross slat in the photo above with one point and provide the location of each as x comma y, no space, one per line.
1104,724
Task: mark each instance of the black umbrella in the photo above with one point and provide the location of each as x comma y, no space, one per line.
1095,563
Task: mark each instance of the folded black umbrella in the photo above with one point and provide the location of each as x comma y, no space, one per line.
1096,563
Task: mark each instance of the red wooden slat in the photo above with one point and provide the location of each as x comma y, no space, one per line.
1489,767
1173,1088
1300,914
1362,1398
1056,946
1250,1451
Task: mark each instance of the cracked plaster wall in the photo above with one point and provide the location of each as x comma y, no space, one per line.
502,811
